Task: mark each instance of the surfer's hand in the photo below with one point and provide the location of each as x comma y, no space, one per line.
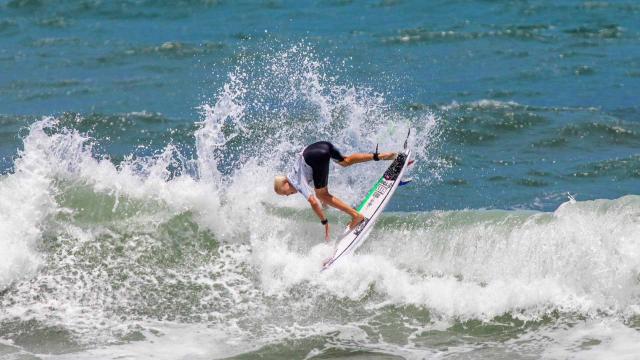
326,232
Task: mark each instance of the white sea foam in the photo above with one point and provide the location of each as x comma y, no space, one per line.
595,339
170,341
26,199
583,258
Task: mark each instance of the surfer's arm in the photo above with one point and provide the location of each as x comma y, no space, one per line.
364,157
317,208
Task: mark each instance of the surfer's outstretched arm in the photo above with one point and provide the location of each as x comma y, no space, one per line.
315,205
364,157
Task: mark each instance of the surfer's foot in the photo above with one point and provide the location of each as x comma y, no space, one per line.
388,156
355,221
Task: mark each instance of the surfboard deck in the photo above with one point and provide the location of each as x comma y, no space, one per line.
371,207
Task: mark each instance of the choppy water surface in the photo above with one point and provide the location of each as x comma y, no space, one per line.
138,140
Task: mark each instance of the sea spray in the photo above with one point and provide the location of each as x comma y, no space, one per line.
26,200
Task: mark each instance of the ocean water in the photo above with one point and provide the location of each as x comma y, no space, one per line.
138,140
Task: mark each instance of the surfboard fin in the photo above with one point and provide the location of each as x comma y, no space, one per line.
404,182
406,141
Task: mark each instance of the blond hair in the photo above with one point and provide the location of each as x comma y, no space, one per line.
278,183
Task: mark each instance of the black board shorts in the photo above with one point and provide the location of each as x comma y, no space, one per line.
317,156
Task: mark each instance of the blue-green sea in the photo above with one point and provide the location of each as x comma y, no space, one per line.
139,140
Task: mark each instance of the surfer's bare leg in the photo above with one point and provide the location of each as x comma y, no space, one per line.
364,157
324,196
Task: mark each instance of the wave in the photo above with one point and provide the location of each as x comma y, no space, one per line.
615,131
113,251
610,31
516,262
618,169
521,263
166,234
488,121
7,25
170,49
24,4
536,32
26,202
497,104
111,247
121,9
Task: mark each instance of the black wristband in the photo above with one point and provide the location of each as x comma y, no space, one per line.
324,222
376,157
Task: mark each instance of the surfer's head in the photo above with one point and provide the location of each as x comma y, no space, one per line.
282,186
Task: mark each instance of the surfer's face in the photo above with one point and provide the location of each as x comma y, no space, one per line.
287,189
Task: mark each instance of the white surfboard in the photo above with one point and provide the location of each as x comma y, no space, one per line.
371,207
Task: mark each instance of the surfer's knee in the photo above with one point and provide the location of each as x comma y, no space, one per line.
312,200
323,194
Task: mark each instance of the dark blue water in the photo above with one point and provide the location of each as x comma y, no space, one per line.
563,78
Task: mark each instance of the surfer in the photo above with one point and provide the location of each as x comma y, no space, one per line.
312,166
